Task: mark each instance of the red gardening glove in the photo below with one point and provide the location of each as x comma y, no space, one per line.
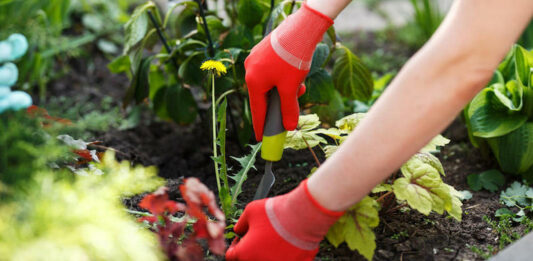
287,227
283,60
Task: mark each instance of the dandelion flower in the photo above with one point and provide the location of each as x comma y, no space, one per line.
214,66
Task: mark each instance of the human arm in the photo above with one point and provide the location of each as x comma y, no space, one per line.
423,99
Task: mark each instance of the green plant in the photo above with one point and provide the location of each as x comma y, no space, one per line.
491,180
427,18
419,187
500,116
167,77
46,209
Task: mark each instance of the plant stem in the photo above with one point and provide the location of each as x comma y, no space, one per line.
206,29
214,118
163,39
396,208
384,196
312,152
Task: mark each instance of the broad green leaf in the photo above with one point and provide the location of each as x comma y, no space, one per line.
319,58
140,87
215,26
430,159
120,64
331,132
304,134
514,151
329,150
434,144
308,122
382,188
319,89
515,195
523,63
491,180
356,226
156,79
420,183
180,103
352,79
185,22
190,71
332,111
249,13
247,162
502,212
159,103
137,27
489,117
348,123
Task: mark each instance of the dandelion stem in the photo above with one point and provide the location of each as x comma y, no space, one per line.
213,105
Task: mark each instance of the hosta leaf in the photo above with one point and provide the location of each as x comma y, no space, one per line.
514,151
492,113
523,63
356,228
348,123
247,162
319,58
351,77
435,143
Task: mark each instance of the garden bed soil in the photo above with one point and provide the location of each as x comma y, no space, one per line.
185,152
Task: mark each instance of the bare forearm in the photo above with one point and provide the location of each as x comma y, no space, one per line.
423,99
330,8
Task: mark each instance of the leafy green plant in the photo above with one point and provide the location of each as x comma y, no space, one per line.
427,17
500,116
168,77
419,187
491,180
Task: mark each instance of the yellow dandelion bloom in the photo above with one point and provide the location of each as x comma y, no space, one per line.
216,66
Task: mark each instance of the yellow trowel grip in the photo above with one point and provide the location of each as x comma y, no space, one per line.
274,134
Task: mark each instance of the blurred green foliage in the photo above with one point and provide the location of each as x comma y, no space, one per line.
48,213
57,29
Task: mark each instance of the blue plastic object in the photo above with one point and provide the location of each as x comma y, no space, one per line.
8,74
19,45
11,49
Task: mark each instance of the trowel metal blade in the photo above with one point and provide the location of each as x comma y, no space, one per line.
266,182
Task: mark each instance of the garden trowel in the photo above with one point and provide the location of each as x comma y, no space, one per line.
273,140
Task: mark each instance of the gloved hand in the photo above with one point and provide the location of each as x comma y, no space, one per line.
283,60
287,227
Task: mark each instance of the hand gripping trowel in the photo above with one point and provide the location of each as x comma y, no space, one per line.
273,140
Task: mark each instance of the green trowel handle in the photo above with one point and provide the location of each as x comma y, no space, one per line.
274,134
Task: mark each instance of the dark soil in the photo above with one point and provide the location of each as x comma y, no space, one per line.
185,151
